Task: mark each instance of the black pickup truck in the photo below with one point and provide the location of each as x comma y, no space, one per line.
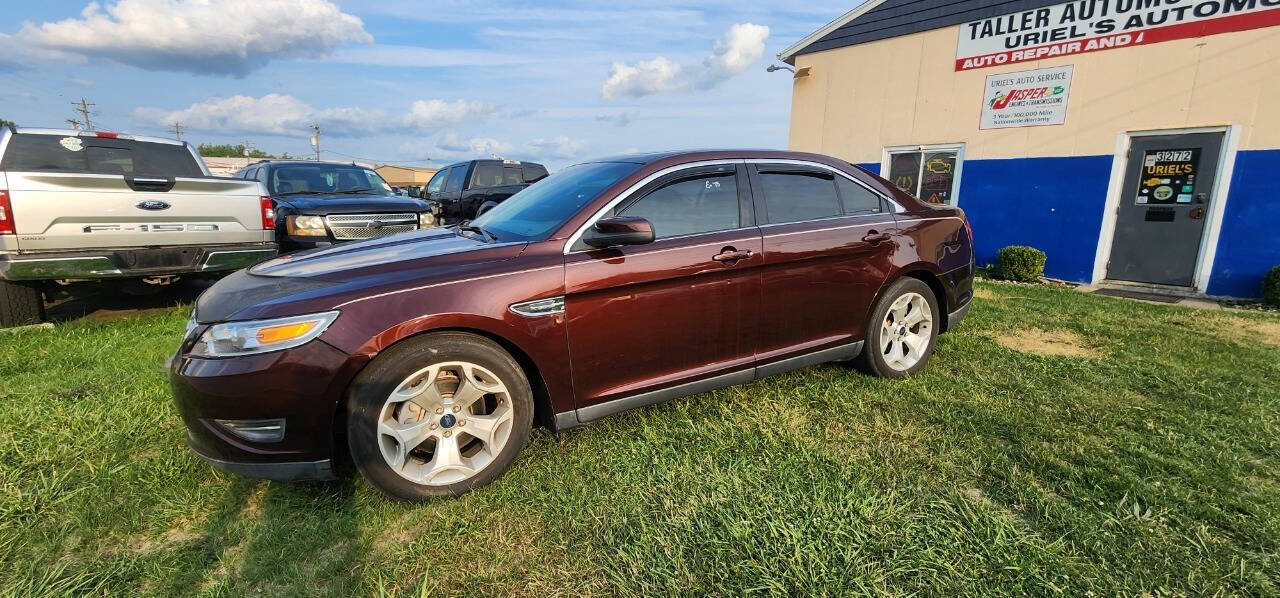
467,189
321,203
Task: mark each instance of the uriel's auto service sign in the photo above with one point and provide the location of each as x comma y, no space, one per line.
1027,98
1092,25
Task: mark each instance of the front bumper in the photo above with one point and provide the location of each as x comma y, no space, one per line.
290,471
303,385
125,263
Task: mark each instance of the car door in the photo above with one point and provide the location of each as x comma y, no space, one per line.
682,309
827,242
450,197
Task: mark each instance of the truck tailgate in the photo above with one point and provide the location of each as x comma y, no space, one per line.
60,211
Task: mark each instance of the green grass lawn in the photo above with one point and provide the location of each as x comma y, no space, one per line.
1143,458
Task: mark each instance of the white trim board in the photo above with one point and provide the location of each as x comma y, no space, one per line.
789,53
1217,208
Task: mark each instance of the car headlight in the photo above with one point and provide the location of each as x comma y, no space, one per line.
426,220
230,339
305,226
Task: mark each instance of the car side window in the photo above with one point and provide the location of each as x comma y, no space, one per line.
858,200
261,174
799,196
487,174
534,172
456,174
437,181
699,204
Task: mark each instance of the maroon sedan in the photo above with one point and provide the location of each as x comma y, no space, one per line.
609,286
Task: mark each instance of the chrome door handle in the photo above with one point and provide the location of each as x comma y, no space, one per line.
729,256
874,237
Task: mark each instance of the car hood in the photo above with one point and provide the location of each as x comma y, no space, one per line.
320,279
352,204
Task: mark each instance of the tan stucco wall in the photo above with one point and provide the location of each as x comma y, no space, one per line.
904,91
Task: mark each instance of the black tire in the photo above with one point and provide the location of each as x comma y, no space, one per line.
873,359
485,208
20,304
369,392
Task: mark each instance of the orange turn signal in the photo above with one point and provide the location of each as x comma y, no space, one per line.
283,332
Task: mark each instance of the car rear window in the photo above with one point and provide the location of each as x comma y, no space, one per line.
98,155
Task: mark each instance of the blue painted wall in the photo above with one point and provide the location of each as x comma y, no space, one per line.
1249,245
1052,204
871,167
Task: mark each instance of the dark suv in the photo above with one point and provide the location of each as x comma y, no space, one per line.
321,203
609,286
468,189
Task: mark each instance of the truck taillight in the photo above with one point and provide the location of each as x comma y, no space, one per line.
106,134
268,213
7,227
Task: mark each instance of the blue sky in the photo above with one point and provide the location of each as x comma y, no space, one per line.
409,82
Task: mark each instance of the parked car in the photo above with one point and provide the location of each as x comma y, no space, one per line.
100,206
468,189
609,286
322,203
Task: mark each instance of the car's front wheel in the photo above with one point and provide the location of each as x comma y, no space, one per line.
902,330
438,415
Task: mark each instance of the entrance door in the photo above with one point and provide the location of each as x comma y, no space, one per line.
1168,186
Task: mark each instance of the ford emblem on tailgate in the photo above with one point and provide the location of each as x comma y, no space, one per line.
153,204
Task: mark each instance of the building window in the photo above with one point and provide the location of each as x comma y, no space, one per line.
930,172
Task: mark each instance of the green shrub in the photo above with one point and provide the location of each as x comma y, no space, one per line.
1020,263
1271,287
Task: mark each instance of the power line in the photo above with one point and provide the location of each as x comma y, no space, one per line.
75,124
176,128
381,161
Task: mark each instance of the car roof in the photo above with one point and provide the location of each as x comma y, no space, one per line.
696,155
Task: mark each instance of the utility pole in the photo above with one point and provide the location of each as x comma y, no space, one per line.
83,108
176,127
315,141
75,124
246,147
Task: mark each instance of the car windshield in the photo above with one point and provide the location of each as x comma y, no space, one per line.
546,205
326,179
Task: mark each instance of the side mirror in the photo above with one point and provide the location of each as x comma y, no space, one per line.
620,230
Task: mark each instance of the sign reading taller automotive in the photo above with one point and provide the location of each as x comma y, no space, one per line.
1092,25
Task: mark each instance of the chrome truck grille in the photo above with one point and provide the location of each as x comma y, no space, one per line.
347,227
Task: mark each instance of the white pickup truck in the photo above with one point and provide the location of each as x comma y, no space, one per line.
92,205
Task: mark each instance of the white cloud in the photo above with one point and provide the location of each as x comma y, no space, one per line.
450,144
734,53
227,37
434,114
557,147
620,119
278,114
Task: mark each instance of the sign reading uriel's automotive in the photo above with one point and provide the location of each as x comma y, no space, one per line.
1092,25
1026,99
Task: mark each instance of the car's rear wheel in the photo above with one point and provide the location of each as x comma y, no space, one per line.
20,304
902,331
486,207
438,415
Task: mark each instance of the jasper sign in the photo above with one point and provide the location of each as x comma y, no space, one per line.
1091,25
1026,99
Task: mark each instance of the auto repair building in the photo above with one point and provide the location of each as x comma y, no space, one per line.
1133,141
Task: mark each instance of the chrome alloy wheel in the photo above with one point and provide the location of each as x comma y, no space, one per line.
906,331
445,423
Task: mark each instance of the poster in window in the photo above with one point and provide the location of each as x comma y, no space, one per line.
904,170
1168,176
937,176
